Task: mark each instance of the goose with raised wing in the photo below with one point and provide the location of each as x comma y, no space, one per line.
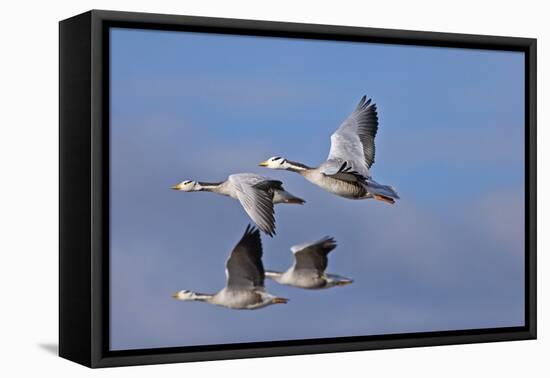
346,170
310,264
244,289
257,195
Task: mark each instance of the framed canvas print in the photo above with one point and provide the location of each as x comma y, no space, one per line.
235,188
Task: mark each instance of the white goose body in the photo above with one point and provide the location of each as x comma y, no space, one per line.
346,189
242,299
297,279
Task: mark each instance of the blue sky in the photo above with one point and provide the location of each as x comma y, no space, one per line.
448,255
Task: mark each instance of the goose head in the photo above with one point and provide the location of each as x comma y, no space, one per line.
275,162
187,186
184,295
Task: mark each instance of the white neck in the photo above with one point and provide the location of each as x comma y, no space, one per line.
275,276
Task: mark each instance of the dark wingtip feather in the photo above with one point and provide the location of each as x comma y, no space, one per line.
361,102
266,231
329,243
252,236
364,103
251,231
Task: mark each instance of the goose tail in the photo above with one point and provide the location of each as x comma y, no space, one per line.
384,193
282,196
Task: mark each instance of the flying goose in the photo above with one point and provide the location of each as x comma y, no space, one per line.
244,289
257,195
310,263
346,171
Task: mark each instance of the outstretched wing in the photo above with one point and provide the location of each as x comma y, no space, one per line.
353,142
257,201
244,268
313,256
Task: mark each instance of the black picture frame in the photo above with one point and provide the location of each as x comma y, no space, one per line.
84,183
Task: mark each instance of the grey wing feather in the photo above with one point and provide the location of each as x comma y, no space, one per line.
353,141
244,268
342,170
313,256
257,201
248,178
